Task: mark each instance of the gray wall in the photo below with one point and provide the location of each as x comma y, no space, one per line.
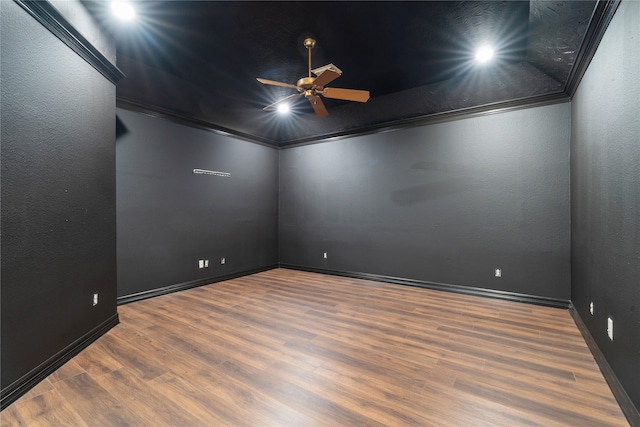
169,218
58,197
605,196
444,203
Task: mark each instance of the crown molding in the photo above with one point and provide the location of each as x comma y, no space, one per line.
50,18
186,120
600,20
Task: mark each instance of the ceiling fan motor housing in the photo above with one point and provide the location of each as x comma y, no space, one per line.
305,82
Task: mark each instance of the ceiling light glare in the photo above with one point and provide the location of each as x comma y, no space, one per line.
283,108
123,10
484,54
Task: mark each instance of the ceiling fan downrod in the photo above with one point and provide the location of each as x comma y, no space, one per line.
309,43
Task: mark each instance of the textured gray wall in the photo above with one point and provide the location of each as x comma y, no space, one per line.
444,203
58,195
169,218
605,193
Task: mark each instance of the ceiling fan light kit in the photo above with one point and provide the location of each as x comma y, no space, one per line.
312,87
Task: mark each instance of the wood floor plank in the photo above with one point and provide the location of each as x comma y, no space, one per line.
135,356
202,402
562,414
189,344
312,404
95,359
44,410
391,409
68,370
145,400
597,409
10,417
291,348
570,360
94,404
263,408
41,388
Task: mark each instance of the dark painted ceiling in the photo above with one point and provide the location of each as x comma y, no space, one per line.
199,60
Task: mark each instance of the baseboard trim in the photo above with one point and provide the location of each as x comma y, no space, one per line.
467,290
628,408
18,388
126,299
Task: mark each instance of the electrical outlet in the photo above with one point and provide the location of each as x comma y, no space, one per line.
95,299
206,263
498,272
325,255
591,308
201,263
610,328
223,260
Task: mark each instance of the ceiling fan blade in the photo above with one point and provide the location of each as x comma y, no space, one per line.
325,78
280,101
275,83
346,94
318,106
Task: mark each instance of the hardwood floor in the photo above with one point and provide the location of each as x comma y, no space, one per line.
289,348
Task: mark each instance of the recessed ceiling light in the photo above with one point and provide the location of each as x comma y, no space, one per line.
123,10
484,54
283,108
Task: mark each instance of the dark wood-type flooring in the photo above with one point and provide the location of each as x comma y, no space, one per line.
289,348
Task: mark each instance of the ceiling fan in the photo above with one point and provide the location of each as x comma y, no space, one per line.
311,87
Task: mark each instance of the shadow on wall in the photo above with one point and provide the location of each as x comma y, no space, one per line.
430,191
121,129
